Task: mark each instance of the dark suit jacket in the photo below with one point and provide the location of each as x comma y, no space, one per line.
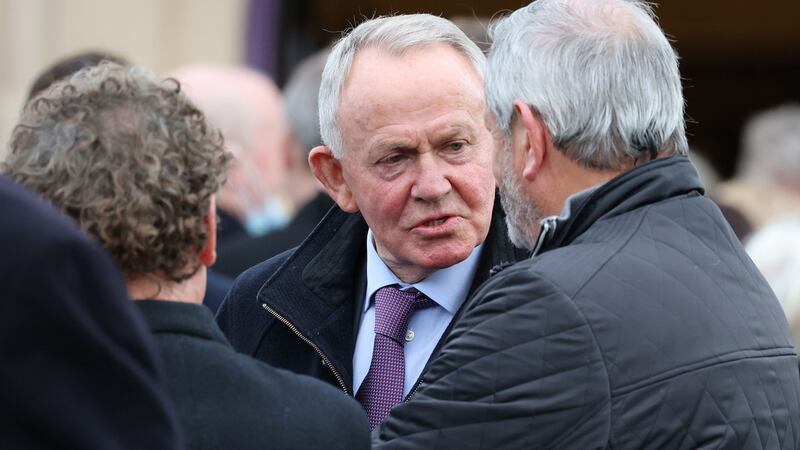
300,310
226,400
78,368
237,255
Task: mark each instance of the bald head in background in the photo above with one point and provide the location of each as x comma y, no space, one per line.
247,108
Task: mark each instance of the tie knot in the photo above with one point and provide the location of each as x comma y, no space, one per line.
393,309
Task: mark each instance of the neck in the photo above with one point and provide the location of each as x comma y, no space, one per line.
566,177
155,287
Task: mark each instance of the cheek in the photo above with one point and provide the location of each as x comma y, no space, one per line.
381,204
477,191
480,183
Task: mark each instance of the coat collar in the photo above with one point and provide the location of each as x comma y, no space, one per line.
652,182
164,316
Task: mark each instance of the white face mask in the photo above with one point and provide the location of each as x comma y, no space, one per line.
271,216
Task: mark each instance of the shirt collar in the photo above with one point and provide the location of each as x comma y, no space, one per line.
447,287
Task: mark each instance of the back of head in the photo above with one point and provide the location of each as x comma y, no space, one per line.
601,74
771,147
130,158
68,66
394,35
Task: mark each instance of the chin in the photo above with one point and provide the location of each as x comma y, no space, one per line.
445,259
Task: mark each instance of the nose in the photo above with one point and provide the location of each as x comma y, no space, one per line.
432,183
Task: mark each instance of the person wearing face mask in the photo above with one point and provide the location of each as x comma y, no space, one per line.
247,108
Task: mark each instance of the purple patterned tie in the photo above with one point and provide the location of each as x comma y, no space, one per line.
382,389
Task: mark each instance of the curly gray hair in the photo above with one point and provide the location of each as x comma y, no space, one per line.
130,158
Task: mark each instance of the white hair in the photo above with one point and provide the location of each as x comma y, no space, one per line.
395,35
771,145
600,73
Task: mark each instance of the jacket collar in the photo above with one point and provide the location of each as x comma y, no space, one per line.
320,284
164,316
652,182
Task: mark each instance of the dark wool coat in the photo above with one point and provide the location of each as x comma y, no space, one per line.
226,400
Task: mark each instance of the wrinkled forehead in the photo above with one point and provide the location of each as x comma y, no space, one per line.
381,82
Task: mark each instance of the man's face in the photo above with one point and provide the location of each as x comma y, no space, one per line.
417,156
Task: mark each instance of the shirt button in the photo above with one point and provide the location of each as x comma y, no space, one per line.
410,335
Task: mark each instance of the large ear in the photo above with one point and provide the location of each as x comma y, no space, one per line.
328,170
208,254
530,137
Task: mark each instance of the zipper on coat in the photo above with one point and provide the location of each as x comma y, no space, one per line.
413,391
325,361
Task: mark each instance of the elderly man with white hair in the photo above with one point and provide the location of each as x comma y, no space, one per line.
366,299
639,321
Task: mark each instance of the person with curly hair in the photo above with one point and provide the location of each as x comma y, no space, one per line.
134,162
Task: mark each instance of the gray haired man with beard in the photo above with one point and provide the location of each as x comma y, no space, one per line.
639,322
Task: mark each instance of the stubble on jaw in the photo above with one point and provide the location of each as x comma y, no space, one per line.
522,216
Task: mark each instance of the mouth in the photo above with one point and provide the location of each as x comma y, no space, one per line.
436,226
434,222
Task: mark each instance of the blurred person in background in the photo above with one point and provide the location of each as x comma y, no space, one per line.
711,181
78,366
775,248
767,189
302,116
638,321
767,182
365,301
247,108
135,163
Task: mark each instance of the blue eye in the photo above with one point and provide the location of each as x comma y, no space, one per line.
393,159
456,146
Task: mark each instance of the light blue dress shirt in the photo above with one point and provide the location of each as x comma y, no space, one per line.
447,287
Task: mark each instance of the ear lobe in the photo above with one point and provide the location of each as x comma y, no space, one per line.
328,171
208,254
533,138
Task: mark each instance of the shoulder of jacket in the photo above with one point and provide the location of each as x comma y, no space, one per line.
256,276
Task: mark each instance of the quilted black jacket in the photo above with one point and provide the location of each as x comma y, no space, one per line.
639,323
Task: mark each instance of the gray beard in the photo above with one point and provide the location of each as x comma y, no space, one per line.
522,216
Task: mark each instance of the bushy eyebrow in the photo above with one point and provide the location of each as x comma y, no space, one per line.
439,136
457,129
393,144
